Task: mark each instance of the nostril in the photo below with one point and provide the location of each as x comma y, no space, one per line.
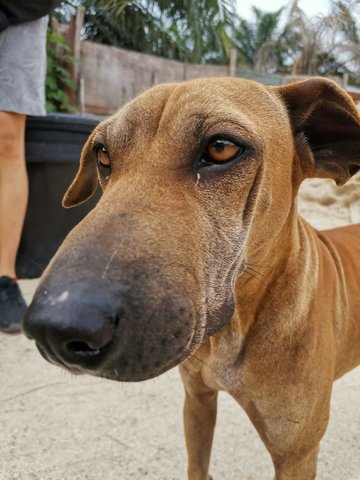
117,320
83,349
91,343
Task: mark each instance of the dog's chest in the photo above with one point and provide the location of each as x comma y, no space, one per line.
221,371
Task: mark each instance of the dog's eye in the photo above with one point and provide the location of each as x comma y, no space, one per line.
221,151
102,156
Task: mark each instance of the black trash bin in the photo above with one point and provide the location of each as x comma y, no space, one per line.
53,147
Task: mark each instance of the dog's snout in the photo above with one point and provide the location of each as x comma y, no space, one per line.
116,334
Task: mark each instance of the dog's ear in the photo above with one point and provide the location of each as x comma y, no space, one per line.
85,182
325,120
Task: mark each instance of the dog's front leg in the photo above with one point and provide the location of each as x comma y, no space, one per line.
199,421
291,427
295,468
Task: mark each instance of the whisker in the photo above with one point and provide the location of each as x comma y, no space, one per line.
29,259
193,357
205,364
258,266
252,275
255,271
192,363
186,370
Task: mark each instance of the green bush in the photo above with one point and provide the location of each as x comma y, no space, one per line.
58,78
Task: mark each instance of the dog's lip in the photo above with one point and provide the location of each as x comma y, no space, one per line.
50,357
107,371
104,365
112,373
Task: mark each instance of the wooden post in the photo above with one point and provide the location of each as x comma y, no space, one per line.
79,23
233,62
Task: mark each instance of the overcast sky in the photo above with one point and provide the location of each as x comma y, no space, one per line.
310,7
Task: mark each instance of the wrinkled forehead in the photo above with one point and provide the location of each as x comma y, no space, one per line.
192,108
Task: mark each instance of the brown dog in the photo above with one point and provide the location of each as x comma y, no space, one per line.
196,249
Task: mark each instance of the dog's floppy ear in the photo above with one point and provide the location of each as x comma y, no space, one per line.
85,182
325,119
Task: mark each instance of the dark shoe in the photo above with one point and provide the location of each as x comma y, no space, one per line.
12,305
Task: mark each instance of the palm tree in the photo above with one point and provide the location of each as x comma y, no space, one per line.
329,45
310,31
265,45
194,31
344,23
203,25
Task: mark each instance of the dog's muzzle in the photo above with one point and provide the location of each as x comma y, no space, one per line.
126,331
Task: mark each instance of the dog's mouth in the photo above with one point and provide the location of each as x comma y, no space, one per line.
110,362
54,360
134,374
138,376
116,372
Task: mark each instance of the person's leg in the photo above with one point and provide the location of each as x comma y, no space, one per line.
13,188
13,201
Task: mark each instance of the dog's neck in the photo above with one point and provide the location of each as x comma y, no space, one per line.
285,255
260,298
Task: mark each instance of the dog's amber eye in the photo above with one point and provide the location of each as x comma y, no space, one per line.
221,151
102,156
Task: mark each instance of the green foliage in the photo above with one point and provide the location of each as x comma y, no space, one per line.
266,44
204,31
185,30
58,78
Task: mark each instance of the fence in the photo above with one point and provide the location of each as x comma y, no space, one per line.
109,76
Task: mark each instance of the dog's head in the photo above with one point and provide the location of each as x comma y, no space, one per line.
198,180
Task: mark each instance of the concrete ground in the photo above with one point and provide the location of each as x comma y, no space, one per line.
54,426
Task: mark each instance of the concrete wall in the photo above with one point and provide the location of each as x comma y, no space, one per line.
113,76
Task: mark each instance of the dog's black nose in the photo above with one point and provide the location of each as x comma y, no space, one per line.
66,335
109,329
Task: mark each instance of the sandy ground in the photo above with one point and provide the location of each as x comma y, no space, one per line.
57,427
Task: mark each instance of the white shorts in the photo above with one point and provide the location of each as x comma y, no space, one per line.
23,68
